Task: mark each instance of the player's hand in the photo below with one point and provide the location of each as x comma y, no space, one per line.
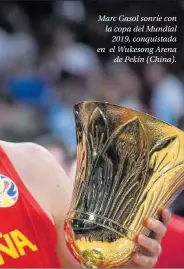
150,249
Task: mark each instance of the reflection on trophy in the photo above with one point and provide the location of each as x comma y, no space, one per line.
129,166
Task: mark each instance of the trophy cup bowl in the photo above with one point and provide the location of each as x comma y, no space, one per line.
129,166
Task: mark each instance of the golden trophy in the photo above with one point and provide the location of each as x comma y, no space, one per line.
129,166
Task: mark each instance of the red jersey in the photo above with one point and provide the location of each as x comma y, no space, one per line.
173,245
27,235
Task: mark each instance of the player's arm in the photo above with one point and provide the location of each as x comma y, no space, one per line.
60,188
63,194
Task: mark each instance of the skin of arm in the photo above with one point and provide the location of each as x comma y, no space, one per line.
60,191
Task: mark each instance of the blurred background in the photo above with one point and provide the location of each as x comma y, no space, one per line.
48,62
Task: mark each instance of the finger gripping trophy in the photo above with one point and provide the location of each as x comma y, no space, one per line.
129,166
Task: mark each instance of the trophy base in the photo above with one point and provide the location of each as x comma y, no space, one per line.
89,267
98,242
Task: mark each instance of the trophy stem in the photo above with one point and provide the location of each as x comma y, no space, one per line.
88,266
91,258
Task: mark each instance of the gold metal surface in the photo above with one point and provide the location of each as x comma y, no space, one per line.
129,165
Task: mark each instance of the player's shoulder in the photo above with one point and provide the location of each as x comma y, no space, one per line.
32,156
36,151
25,146
39,168
35,158
26,149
